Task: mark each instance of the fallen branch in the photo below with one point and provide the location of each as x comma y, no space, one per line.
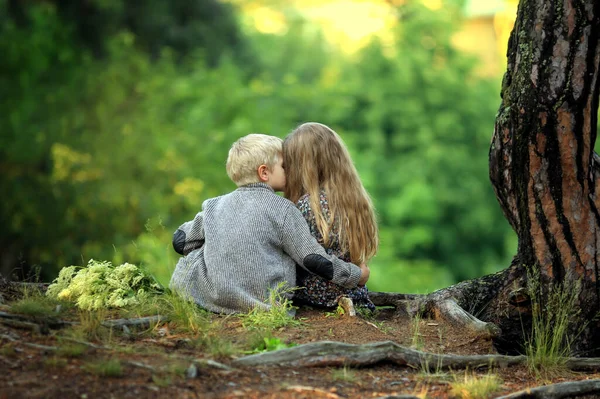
211,363
44,322
562,390
78,341
140,365
25,325
36,346
327,353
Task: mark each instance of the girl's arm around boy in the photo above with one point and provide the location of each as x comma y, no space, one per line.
308,253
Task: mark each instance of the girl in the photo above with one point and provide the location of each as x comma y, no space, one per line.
324,184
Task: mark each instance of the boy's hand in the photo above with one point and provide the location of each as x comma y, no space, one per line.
364,274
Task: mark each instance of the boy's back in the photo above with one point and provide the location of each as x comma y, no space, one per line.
243,247
248,242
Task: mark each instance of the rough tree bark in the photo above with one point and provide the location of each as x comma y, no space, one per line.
542,163
545,175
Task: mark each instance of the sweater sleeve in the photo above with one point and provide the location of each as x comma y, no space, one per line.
308,253
189,236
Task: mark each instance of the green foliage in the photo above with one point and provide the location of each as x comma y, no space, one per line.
109,142
269,343
101,285
339,312
278,313
421,129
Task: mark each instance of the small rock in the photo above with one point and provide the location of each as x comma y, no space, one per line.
192,371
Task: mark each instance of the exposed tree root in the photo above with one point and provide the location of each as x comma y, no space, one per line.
572,389
327,353
438,305
452,313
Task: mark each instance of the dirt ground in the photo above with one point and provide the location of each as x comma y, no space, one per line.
156,364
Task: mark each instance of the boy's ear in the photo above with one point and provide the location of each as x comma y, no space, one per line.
263,173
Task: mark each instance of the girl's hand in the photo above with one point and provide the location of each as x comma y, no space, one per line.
364,274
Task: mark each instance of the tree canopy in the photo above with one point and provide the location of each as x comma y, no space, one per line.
119,116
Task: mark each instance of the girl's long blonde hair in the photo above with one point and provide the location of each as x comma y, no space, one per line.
315,158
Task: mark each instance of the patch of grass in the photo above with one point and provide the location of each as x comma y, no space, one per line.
416,341
429,374
338,312
269,343
8,350
54,363
161,381
365,313
72,350
280,312
475,387
176,368
549,344
183,314
90,325
217,346
344,374
34,303
105,368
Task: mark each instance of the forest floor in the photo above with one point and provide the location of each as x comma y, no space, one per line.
162,362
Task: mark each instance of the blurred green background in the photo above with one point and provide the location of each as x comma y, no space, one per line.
117,118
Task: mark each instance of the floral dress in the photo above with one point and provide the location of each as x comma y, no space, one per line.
315,290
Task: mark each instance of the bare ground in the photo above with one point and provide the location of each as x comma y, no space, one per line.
156,363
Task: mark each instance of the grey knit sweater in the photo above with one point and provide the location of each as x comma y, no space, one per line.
245,243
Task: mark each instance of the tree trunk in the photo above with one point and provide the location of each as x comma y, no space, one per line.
542,164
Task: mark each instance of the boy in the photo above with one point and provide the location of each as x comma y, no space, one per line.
245,243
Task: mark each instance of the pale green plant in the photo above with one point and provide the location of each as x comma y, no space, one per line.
471,386
279,311
549,344
102,285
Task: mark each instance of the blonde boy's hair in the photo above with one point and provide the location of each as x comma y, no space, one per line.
248,153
